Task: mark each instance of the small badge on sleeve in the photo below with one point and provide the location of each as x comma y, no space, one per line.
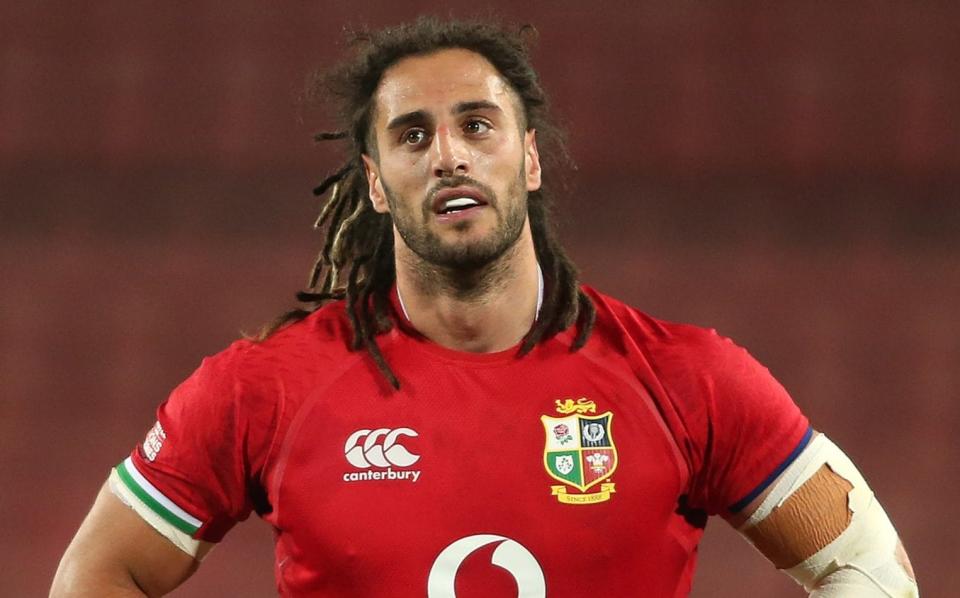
153,442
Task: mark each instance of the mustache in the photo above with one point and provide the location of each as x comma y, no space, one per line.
459,180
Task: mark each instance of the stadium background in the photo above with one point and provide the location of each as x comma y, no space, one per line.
787,173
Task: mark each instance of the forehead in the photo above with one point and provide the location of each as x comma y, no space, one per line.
438,81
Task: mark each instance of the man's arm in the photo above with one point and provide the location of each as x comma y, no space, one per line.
820,523
117,554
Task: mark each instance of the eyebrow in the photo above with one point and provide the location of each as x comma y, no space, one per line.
407,119
410,118
475,105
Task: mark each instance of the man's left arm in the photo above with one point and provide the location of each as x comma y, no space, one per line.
821,524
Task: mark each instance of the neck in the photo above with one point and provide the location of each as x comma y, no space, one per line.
480,310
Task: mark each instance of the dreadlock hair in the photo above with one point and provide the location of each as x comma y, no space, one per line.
358,241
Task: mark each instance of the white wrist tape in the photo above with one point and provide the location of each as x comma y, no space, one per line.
861,561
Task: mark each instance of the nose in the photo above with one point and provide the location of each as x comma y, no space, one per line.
450,157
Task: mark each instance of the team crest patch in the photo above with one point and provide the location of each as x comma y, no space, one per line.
579,451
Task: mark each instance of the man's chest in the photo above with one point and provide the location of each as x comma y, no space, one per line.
480,477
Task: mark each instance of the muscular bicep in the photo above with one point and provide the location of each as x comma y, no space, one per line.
117,553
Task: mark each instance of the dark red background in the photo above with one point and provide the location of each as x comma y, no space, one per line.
785,172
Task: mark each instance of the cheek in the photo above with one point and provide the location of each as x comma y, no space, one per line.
404,171
497,155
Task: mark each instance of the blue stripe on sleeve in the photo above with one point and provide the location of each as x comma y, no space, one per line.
743,502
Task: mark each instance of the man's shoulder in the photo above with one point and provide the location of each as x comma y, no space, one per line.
325,327
616,317
296,348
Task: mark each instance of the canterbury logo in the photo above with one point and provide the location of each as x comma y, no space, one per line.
379,448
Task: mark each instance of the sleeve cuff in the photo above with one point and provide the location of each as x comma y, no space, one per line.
157,510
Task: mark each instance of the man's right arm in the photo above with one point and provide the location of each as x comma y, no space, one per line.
115,553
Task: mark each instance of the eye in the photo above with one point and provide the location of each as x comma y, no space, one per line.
476,127
413,136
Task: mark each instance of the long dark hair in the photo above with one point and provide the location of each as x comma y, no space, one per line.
356,262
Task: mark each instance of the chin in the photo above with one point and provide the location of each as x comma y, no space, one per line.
469,255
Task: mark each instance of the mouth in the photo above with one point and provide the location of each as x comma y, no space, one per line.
458,200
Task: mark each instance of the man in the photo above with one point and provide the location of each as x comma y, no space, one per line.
461,402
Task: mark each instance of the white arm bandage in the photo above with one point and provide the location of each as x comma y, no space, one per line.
859,563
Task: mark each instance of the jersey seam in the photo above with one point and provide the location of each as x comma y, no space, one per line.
240,426
293,430
657,373
238,389
683,468
275,438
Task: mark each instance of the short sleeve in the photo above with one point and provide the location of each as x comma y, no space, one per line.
194,468
744,427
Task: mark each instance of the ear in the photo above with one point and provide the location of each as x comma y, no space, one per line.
377,195
532,160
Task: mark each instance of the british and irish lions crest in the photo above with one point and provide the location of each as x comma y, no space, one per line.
579,452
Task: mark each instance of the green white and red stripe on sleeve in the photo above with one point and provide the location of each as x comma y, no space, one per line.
177,525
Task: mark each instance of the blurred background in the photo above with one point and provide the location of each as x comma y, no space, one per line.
785,172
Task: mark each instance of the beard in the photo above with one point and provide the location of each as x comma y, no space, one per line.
413,226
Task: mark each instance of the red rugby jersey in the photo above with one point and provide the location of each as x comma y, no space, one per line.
558,473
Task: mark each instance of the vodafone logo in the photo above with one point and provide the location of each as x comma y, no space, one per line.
509,555
379,448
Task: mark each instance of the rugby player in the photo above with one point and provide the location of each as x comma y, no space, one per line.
452,413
